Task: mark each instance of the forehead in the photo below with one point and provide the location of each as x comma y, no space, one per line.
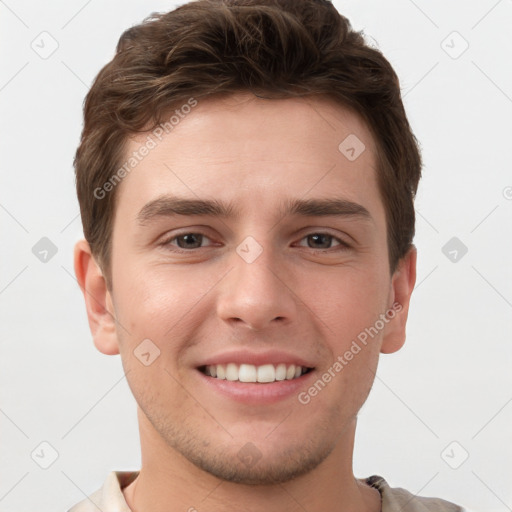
254,149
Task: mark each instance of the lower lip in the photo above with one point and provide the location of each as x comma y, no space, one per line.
255,393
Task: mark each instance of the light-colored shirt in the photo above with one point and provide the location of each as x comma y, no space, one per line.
110,497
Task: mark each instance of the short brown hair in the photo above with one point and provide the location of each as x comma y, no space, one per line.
273,48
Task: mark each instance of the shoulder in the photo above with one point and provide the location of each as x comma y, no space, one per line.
109,498
395,499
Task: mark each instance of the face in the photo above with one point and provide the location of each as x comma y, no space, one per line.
248,245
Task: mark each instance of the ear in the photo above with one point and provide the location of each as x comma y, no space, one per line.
98,300
402,285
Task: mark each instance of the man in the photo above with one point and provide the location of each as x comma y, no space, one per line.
246,178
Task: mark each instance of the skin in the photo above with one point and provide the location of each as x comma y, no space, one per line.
307,297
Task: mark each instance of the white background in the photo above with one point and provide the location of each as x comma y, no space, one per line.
451,381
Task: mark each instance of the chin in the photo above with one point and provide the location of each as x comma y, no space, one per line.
254,463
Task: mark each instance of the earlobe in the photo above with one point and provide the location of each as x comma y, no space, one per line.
98,301
402,285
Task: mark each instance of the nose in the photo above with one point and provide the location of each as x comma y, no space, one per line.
257,294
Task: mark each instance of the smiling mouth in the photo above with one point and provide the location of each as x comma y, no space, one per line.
263,374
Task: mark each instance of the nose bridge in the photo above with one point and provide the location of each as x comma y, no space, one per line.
254,292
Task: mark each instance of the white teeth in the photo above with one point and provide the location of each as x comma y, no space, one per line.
221,372
249,373
231,372
280,372
266,373
290,372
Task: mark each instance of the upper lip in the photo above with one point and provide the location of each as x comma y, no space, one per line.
256,358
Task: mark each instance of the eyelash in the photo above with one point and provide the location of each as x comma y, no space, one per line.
342,245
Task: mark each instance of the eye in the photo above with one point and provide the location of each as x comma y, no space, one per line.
186,241
323,241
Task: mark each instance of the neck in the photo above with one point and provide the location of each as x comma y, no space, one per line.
169,482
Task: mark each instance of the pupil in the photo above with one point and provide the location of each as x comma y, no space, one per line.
318,237
189,239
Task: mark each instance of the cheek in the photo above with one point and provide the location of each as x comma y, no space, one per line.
145,295
350,308
161,304
348,301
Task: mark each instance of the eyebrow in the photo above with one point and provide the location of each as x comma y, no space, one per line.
168,206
